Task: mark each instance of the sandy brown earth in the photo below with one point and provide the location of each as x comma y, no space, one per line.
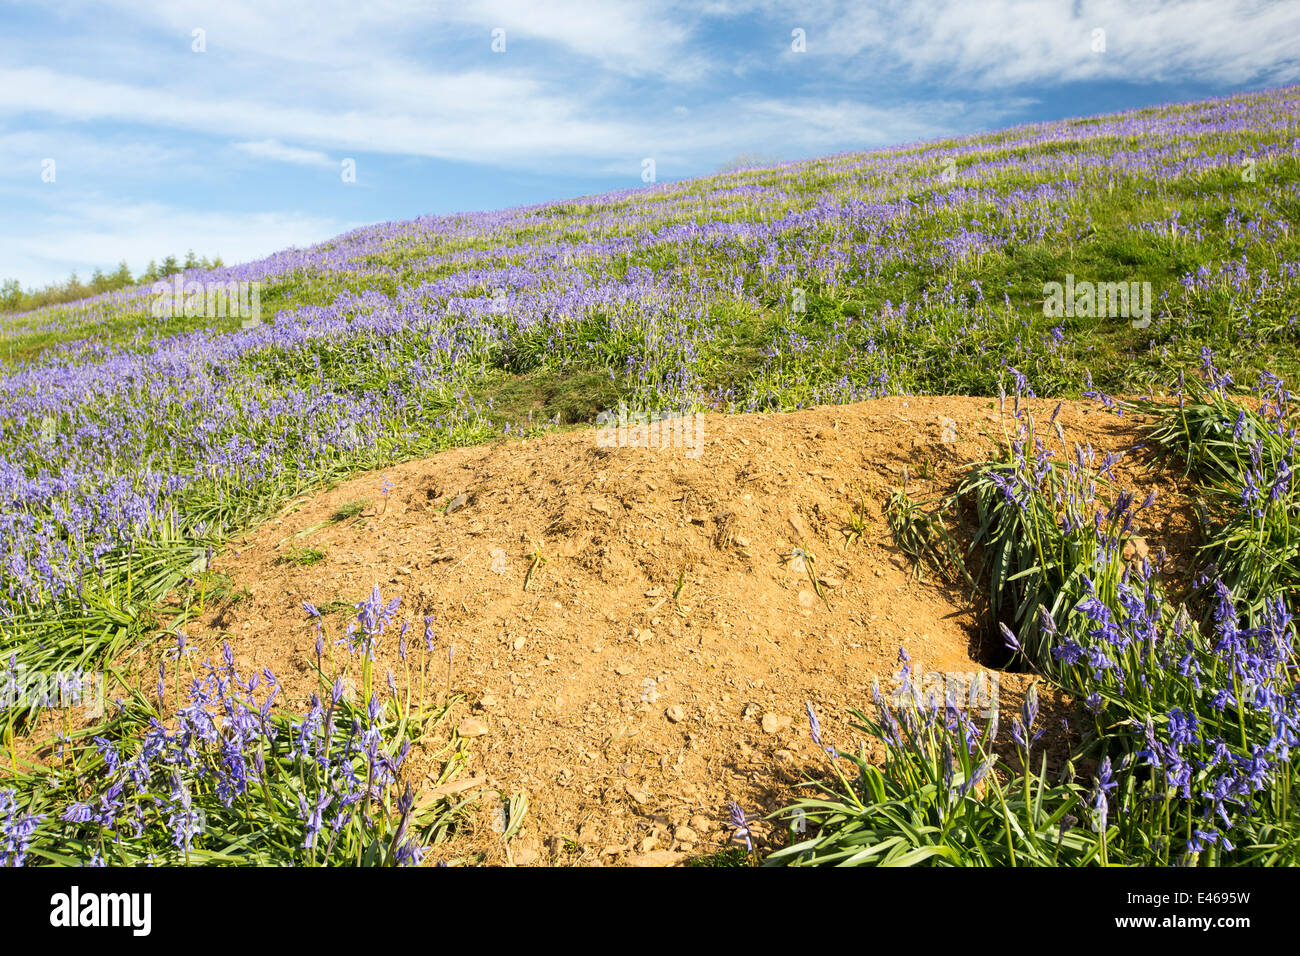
655,662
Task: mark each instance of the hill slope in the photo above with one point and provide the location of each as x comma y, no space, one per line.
139,447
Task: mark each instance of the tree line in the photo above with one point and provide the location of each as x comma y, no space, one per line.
13,298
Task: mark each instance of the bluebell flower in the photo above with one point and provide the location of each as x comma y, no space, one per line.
741,826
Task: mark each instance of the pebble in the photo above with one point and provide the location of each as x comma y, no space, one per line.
675,714
772,723
471,727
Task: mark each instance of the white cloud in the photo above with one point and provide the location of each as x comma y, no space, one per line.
466,117
352,77
277,151
632,37
585,88
995,43
531,133
626,36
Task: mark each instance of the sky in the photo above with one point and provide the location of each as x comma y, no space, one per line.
137,129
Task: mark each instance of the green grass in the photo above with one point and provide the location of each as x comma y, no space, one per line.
301,557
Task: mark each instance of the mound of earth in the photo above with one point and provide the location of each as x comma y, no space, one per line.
635,634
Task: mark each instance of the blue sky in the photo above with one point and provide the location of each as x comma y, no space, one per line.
238,150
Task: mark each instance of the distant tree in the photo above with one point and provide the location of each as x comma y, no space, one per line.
14,299
11,295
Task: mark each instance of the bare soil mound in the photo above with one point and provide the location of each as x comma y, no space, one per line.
635,633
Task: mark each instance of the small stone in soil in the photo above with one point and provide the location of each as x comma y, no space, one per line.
773,723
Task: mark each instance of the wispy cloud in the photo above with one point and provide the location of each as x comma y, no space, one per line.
278,152
581,93
569,87
466,118
996,43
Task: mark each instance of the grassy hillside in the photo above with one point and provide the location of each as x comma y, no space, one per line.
134,444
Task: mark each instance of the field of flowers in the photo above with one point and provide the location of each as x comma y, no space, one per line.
134,446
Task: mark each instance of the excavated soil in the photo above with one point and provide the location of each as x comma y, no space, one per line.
656,663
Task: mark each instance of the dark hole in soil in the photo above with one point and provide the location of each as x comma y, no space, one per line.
989,648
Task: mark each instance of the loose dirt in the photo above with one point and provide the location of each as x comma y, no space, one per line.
635,634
